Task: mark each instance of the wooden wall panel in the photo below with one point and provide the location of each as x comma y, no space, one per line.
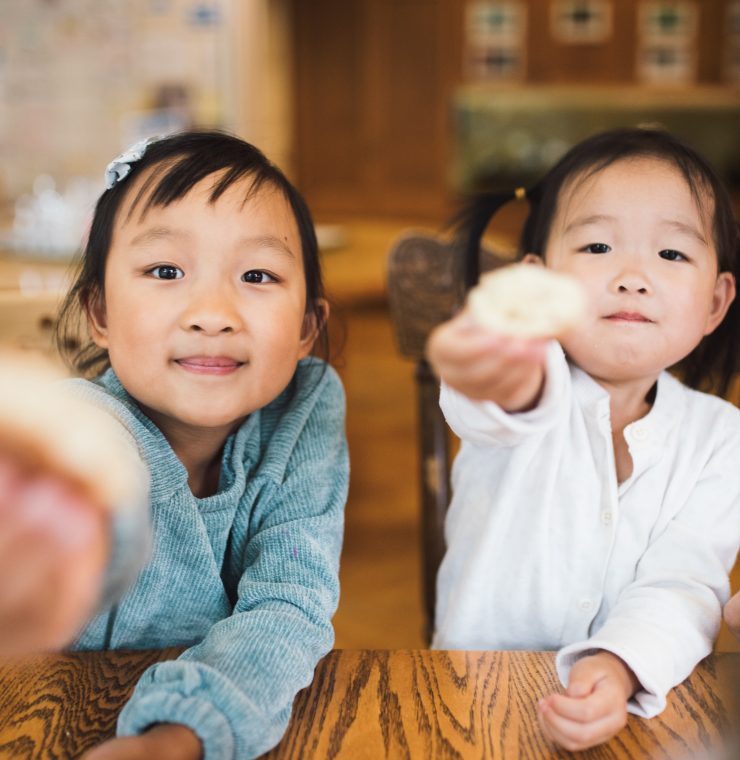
328,92
712,29
393,64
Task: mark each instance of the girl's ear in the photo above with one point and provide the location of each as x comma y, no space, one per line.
97,323
313,322
722,298
533,258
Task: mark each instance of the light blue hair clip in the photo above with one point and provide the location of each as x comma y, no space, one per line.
120,166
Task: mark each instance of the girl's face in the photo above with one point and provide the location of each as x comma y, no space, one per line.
204,304
633,235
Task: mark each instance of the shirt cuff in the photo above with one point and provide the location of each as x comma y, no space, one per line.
197,713
229,724
647,702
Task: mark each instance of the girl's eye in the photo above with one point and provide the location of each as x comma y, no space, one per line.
166,272
671,255
596,248
257,277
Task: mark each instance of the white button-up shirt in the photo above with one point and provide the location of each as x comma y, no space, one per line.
547,551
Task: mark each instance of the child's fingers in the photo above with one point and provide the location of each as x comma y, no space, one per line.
493,382
165,741
24,566
120,748
575,735
732,614
476,361
42,516
585,675
47,598
584,709
462,340
10,479
28,597
449,344
53,545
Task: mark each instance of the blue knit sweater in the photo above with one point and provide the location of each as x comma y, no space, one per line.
246,578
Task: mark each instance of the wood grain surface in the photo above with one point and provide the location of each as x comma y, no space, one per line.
57,706
371,704
433,704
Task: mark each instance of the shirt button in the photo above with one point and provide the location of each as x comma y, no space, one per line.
606,517
639,433
585,604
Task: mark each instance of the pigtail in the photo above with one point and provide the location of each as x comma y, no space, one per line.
471,222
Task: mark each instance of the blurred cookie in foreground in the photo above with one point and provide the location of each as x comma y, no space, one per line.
527,301
45,427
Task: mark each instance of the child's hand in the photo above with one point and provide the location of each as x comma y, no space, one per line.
53,549
732,614
485,366
165,741
594,706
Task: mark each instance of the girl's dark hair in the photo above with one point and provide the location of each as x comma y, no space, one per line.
181,161
712,365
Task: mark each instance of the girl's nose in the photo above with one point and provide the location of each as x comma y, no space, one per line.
632,281
211,313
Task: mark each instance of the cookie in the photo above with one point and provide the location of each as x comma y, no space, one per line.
48,429
527,301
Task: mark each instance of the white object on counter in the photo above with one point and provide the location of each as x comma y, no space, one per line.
50,223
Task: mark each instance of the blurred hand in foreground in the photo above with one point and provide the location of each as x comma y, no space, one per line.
54,544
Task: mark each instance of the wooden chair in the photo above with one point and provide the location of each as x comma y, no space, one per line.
426,286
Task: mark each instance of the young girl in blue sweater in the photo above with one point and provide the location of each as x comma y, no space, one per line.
203,296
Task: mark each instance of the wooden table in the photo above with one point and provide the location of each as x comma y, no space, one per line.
371,704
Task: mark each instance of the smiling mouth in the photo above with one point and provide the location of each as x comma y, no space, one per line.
209,365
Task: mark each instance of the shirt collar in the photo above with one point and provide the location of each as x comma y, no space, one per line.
167,472
649,432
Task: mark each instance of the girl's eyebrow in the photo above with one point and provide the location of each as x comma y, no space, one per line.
586,220
687,229
267,241
157,233
258,241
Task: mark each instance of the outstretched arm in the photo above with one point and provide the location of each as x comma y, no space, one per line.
486,366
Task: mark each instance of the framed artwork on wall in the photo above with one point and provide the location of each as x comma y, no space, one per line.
581,22
667,41
495,41
731,63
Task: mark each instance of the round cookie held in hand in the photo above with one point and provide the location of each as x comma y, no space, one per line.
46,427
527,301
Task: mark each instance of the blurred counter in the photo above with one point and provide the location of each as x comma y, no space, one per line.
31,290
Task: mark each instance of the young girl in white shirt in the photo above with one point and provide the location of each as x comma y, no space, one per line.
596,504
